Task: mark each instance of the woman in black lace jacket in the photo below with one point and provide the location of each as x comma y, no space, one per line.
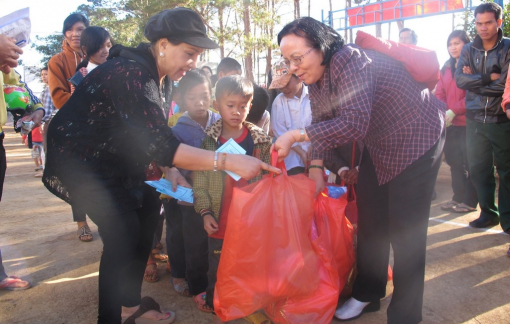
102,140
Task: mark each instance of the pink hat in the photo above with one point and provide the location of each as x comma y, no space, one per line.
281,75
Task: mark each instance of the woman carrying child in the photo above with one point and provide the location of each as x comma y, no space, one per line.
213,190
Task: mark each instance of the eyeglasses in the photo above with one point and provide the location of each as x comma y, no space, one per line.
297,60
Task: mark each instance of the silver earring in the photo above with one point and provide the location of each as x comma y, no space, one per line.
161,54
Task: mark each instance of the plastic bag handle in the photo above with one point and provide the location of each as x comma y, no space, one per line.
274,162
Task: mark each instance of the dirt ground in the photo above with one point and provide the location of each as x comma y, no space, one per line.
467,275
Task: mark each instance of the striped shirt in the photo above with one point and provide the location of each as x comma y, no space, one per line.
365,95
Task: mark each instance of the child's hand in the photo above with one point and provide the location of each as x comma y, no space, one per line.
210,224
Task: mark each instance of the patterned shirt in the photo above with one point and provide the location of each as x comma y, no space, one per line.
365,95
48,105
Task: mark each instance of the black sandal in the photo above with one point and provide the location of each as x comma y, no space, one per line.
147,304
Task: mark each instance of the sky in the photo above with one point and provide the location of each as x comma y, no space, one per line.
47,17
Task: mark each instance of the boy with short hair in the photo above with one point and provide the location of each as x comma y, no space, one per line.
213,190
228,66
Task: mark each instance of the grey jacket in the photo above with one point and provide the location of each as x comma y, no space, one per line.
483,96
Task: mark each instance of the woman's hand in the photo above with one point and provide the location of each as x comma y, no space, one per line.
284,143
317,175
210,224
173,175
246,166
36,117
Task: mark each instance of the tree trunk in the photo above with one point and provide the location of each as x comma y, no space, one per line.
221,38
297,14
309,6
248,60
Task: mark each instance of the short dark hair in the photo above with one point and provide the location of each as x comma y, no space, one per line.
45,68
228,64
207,67
73,19
93,38
234,85
317,35
188,82
489,7
413,34
258,105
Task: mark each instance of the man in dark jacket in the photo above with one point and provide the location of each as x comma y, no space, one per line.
482,71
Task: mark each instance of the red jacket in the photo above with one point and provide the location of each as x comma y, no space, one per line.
36,135
454,97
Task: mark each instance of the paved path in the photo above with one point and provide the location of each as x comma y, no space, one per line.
467,275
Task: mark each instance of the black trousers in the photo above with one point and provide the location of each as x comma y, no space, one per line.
196,248
215,247
175,238
127,238
78,214
455,153
487,143
395,213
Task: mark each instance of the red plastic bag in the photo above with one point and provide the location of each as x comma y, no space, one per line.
331,238
267,254
421,63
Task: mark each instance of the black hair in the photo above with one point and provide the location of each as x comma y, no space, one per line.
228,64
413,34
258,104
489,7
317,35
190,80
92,38
73,19
208,68
234,85
45,68
464,37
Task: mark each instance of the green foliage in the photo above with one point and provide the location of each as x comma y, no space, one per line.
224,19
48,46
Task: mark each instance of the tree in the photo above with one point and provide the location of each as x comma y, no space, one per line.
48,46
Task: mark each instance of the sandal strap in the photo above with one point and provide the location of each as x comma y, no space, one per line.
146,304
181,286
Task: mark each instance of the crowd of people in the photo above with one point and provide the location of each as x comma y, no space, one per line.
112,117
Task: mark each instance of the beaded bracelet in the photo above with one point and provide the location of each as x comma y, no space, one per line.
223,160
315,166
215,168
